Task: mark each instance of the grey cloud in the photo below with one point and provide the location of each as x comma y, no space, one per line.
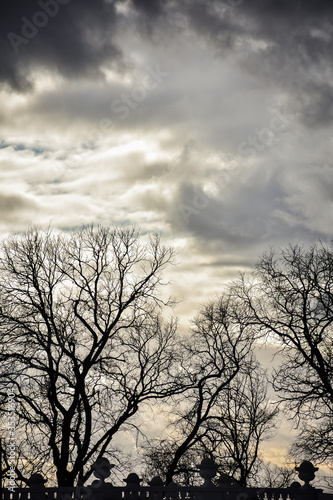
146,173
88,102
15,205
314,104
149,7
222,30
243,214
280,22
204,217
285,43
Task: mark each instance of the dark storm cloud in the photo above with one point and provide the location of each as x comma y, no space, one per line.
265,19
298,32
149,7
72,37
76,37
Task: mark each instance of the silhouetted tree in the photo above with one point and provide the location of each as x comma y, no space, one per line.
82,343
225,412
290,300
158,454
275,476
245,418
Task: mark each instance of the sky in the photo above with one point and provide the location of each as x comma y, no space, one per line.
210,123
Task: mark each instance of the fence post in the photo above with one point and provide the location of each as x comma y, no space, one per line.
306,473
132,486
37,487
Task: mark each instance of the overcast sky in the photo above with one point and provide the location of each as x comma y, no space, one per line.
210,122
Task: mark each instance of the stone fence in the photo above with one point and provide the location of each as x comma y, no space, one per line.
223,488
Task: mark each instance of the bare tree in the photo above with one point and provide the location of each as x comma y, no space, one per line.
290,300
158,454
82,342
275,476
240,419
244,419
224,407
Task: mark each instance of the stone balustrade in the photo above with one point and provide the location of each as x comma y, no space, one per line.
222,487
